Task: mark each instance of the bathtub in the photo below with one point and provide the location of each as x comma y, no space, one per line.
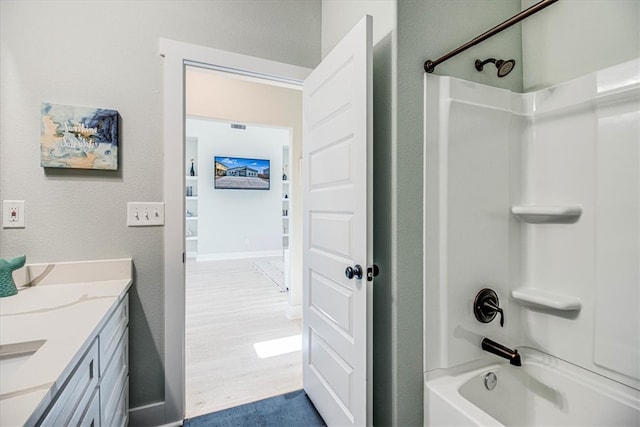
544,391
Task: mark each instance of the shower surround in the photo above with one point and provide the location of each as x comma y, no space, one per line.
536,196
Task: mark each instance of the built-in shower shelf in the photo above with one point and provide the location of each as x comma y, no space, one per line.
535,214
540,298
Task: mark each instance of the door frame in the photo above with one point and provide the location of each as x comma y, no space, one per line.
178,55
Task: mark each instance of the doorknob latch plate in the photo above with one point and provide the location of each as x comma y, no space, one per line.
372,272
356,272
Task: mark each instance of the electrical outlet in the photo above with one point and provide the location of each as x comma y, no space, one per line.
13,214
145,214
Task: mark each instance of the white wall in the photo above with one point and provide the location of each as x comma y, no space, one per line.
583,149
215,95
236,223
472,168
572,38
105,54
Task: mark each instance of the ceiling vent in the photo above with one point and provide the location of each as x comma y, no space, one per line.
237,126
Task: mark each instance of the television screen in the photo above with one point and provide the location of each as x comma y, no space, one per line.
238,173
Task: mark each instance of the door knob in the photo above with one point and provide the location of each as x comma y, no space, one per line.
355,271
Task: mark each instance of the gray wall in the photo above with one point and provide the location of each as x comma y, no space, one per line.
339,17
105,54
572,38
428,30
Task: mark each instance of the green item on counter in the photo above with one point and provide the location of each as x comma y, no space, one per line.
7,285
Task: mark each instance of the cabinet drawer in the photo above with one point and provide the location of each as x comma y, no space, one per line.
120,416
89,415
82,382
112,332
114,379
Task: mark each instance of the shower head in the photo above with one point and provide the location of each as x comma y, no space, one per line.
504,67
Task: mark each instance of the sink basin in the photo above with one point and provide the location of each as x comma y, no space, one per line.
13,356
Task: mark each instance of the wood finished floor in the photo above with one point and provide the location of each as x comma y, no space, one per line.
230,306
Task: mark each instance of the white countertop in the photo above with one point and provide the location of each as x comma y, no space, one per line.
67,307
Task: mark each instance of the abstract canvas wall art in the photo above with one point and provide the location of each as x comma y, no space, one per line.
78,137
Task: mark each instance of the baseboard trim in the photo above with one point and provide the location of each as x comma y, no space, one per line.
238,255
150,415
294,312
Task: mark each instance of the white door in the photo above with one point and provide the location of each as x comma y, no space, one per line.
337,204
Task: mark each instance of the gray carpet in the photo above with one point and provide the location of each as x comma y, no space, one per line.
292,409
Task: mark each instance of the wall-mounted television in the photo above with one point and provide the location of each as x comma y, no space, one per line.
240,173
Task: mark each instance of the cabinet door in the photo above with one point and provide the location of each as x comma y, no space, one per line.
121,414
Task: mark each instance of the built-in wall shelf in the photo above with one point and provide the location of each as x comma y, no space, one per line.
536,214
191,196
541,298
286,190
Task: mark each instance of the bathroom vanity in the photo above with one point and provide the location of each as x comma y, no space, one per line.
64,345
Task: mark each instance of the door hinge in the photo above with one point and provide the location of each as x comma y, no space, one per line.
372,272
184,258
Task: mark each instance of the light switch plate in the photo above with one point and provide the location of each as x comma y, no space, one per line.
13,214
145,214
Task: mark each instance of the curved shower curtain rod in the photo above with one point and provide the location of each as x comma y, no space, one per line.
430,66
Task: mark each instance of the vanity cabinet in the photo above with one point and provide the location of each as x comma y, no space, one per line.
72,399
96,393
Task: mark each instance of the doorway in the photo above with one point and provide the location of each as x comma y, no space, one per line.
357,45
178,56
238,240
239,343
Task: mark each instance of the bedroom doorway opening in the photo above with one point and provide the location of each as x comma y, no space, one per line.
243,281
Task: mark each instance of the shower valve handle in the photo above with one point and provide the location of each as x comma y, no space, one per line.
489,305
486,305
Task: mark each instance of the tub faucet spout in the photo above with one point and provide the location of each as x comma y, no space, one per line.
499,350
